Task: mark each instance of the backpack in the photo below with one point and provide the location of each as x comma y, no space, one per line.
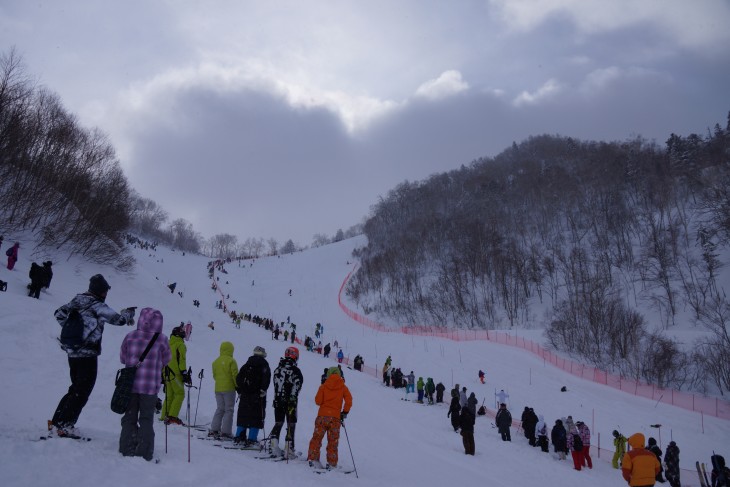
577,442
9,252
248,378
482,411
72,328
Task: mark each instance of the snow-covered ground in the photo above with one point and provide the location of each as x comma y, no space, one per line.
393,442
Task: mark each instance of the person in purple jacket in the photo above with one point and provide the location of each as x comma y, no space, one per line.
138,434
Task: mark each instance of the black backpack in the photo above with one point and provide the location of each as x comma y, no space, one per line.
248,378
9,252
577,442
72,327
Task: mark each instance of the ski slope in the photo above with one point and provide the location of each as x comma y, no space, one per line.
393,442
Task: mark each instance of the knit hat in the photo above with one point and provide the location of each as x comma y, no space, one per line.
334,371
98,285
260,351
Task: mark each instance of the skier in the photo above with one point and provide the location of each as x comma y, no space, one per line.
431,388
471,403
575,445
419,390
252,382
467,419
462,397
671,461
619,443
585,436
411,384
481,376
639,466
454,413
541,432
440,388
288,382
37,278
358,362
12,254
720,475
334,401
174,378
559,439
654,448
501,397
529,421
137,437
340,356
225,369
503,419
83,360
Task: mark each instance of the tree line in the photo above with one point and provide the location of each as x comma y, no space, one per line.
63,183
590,232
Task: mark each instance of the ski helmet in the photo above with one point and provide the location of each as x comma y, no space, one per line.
292,353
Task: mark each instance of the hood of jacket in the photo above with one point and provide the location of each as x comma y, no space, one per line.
150,320
227,349
334,382
637,440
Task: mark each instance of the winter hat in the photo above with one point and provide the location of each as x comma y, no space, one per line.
615,434
260,351
652,442
98,285
671,443
334,371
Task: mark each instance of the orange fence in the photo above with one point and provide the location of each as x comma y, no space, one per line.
711,406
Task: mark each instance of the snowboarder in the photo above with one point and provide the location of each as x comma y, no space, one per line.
252,382
175,376
225,369
137,437
334,401
83,360
288,382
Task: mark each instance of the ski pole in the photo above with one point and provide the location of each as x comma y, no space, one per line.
348,446
200,387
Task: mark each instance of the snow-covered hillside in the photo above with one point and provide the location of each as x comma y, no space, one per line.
394,442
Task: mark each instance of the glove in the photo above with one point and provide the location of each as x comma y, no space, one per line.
262,393
186,378
343,415
128,315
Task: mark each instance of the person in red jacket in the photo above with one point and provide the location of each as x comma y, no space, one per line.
639,466
334,401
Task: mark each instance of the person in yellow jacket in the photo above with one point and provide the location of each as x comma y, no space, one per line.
619,443
332,412
175,375
225,370
639,466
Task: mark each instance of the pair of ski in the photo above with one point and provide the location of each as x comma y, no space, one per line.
702,474
68,436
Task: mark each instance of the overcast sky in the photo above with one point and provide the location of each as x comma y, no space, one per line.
292,118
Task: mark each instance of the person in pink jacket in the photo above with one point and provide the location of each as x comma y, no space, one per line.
138,435
12,254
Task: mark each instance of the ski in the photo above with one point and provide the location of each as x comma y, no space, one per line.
69,437
338,470
699,474
704,474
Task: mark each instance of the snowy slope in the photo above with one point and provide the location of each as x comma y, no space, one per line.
393,442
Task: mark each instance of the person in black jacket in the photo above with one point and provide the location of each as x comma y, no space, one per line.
252,382
440,388
37,278
559,439
671,460
466,422
453,413
504,421
654,448
529,421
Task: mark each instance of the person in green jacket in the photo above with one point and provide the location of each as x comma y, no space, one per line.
619,443
419,389
430,389
225,370
174,377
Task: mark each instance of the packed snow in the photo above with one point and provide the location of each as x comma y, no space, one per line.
392,442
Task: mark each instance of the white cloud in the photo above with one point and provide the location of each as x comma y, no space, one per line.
550,88
601,79
697,24
449,83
